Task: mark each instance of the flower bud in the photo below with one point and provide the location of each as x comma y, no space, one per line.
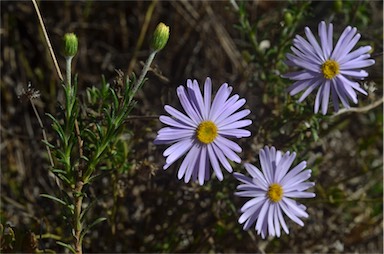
70,45
338,5
288,18
160,37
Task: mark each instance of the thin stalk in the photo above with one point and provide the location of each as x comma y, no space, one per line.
360,109
78,227
143,72
43,131
68,62
77,191
47,40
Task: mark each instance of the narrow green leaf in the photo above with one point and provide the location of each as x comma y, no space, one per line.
59,171
108,117
54,199
86,209
84,158
57,126
48,144
115,99
88,228
92,136
100,131
66,245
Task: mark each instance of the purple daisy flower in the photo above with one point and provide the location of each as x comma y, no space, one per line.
203,132
271,191
330,69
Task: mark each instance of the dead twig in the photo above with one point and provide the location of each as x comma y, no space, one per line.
47,40
360,109
43,131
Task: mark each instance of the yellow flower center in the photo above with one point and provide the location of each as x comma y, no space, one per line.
206,132
330,69
275,192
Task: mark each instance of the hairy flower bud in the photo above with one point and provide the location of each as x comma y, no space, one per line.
288,18
70,45
160,37
338,5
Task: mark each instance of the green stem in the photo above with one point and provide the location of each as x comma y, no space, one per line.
68,61
78,227
69,91
143,73
77,191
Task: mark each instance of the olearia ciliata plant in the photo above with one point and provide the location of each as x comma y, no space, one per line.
86,141
204,133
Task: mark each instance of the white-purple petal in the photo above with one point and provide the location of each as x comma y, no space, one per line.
262,214
235,133
357,64
195,97
220,98
188,107
221,157
340,42
301,177
314,43
271,224
175,123
325,95
290,213
194,164
299,194
226,150
228,143
178,115
295,207
303,63
179,147
243,178
250,220
283,165
249,212
314,85
360,74
253,202
355,54
188,160
171,135
207,97
236,125
257,174
300,75
215,163
302,44
299,187
276,220
233,118
299,86
323,35
347,48
266,166
229,107
203,164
